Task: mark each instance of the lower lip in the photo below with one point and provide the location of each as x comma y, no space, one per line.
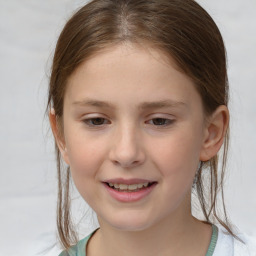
129,196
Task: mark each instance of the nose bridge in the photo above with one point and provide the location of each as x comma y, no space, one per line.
127,150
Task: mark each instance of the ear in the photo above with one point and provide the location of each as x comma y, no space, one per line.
215,131
58,135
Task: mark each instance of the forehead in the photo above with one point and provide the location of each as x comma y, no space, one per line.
142,55
129,71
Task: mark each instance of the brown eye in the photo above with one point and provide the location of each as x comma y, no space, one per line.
98,121
161,121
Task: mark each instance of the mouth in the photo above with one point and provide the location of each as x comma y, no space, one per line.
129,188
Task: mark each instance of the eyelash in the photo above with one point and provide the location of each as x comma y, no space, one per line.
90,121
167,121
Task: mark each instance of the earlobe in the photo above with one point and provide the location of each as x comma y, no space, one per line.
58,135
215,131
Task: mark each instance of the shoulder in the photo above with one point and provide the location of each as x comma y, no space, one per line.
246,248
227,245
79,249
74,250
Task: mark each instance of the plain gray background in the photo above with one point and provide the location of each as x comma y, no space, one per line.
28,33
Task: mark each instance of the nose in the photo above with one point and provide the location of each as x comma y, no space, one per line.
127,149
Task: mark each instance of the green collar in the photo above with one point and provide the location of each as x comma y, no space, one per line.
213,241
79,249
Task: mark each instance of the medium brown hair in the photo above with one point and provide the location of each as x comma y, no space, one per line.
181,29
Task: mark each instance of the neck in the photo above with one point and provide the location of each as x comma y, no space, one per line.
166,238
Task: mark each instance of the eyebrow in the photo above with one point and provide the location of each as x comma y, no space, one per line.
143,106
161,104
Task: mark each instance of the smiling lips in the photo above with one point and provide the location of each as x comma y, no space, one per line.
129,190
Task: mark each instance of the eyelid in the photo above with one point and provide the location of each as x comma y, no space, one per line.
89,117
169,122
92,116
169,118
160,116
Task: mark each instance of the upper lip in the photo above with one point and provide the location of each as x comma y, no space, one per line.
128,181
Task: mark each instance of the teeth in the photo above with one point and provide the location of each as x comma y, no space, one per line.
123,186
140,185
128,187
133,187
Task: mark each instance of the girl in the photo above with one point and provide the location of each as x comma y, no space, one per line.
138,107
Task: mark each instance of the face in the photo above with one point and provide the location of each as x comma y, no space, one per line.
133,134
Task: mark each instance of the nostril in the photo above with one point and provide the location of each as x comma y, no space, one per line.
127,157
126,164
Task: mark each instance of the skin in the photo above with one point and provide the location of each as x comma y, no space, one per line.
159,143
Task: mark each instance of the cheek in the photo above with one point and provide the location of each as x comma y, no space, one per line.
177,156
177,161
85,155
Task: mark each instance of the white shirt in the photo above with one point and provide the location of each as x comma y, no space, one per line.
228,246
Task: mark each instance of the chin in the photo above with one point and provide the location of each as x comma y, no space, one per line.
129,222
